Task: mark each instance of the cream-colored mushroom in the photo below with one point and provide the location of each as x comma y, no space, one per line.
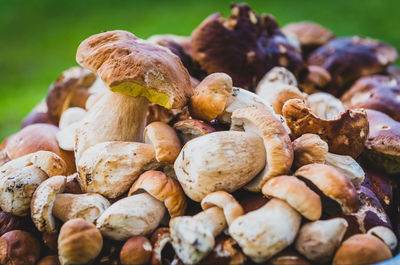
325,105
385,234
194,237
207,163
69,123
318,240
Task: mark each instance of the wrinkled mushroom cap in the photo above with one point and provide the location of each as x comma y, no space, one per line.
332,183
296,194
134,67
163,188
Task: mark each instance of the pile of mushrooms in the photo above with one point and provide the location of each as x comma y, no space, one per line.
226,147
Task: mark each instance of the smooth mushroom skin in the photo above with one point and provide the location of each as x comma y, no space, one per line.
19,248
315,79
79,242
362,249
69,88
309,148
37,115
43,201
243,45
207,163
382,148
265,232
39,137
10,222
190,129
296,194
349,58
88,206
131,216
279,150
318,240
136,251
377,92
325,106
332,183
69,123
386,235
165,141
348,166
345,135
50,241
110,168
288,256
49,260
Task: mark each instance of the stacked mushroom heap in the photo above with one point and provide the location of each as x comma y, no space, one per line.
225,147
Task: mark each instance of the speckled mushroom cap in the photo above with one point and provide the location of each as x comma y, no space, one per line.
332,183
134,67
345,135
376,92
296,194
163,188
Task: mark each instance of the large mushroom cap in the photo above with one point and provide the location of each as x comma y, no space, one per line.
134,67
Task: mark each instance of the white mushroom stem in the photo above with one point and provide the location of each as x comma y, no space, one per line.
115,117
193,237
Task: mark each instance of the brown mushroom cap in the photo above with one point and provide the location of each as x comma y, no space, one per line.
332,183
296,194
19,248
210,96
75,80
37,115
310,34
38,137
309,148
164,139
288,256
376,92
49,260
362,249
163,188
134,67
136,251
244,46
345,135
347,59
190,129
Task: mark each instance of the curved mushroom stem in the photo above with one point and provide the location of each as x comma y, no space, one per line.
115,117
193,237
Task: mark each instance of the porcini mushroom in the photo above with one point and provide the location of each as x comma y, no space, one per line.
194,237
325,106
385,234
69,123
142,211
190,129
136,251
19,247
136,72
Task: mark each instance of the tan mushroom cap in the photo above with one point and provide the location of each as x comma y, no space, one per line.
164,139
163,188
135,67
332,183
362,249
210,96
43,201
345,135
232,209
136,251
309,33
296,194
279,151
309,148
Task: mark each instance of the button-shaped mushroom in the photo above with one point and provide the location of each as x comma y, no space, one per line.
207,163
194,237
19,248
279,151
136,251
110,168
142,211
145,72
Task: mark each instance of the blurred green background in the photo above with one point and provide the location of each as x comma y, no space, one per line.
39,37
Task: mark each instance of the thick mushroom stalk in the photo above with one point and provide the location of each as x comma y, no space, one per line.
194,237
136,72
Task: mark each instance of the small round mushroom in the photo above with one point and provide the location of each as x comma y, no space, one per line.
345,135
296,194
279,151
190,129
88,206
136,251
142,211
266,231
207,163
318,240
193,237
79,242
43,201
325,106
362,249
145,72
126,161
19,248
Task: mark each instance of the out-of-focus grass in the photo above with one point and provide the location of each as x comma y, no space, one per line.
39,38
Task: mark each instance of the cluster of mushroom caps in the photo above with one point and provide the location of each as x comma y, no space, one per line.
132,160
